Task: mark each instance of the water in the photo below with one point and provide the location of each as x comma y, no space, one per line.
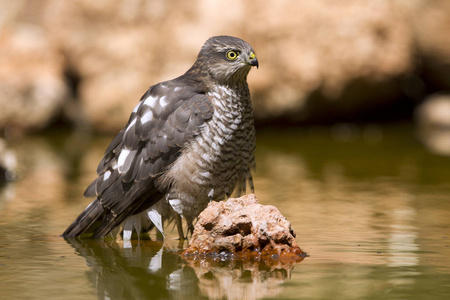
370,205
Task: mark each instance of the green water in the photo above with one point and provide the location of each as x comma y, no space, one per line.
370,205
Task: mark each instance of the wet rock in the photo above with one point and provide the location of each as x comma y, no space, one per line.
241,228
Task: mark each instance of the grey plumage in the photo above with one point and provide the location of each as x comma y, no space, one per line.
190,140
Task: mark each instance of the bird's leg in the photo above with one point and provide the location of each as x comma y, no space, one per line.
250,182
179,221
190,229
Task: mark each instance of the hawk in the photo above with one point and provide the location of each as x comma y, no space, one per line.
189,141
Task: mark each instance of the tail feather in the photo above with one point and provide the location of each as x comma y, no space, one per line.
86,220
110,221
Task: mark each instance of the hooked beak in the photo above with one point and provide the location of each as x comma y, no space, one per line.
252,60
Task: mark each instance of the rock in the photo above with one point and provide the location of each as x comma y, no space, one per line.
244,229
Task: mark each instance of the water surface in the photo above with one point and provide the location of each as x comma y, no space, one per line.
369,204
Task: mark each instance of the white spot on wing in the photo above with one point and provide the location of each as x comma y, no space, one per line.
124,156
177,89
211,193
147,117
163,101
106,175
151,101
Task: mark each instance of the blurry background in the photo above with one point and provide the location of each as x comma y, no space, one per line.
87,63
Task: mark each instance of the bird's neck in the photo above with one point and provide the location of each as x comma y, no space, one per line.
234,99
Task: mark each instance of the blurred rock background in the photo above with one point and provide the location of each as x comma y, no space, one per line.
86,63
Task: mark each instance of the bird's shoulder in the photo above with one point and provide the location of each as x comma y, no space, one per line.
166,110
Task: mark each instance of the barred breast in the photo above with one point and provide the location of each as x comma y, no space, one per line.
220,159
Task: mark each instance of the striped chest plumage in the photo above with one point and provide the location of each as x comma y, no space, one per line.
220,158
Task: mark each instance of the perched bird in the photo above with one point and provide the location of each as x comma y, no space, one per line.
189,141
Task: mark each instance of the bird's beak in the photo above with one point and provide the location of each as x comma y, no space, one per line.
252,60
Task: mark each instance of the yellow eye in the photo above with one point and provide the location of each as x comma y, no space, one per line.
232,55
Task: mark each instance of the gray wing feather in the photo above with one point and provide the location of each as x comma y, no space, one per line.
161,125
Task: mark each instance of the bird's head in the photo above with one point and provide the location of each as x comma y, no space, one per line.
227,59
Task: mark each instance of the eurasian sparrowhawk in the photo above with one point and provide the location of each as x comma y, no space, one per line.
189,141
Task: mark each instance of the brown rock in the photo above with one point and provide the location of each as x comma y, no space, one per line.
243,228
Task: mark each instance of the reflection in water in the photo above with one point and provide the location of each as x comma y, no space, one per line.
148,271
241,279
402,239
143,272
372,213
402,246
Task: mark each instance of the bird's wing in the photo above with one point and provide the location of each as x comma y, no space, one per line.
165,120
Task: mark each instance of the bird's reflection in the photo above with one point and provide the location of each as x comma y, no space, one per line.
149,270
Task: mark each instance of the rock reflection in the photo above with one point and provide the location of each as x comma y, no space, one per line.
149,270
240,279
